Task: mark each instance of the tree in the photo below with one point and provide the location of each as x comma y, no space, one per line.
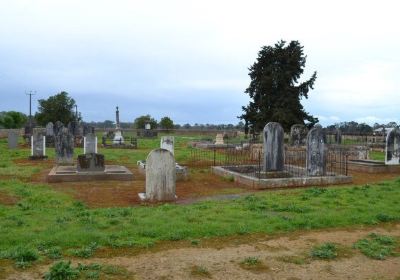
12,119
141,121
166,123
59,107
274,89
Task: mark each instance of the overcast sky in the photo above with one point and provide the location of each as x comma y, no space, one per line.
189,59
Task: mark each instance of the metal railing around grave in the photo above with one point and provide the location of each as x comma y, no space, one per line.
251,161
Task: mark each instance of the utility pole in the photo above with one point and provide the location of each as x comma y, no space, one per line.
30,108
76,112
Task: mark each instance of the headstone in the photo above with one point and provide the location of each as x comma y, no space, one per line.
73,127
38,145
392,153
118,138
298,135
13,139
274,159
338,136
91,163
219,139
64,144
147,126
104,140
316,152
160,176
90,144
50,129
167,143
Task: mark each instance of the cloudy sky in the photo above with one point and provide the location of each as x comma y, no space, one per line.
189,59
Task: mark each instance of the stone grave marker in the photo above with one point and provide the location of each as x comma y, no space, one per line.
338,136
90,144
219,139
64,144
38,145
50,129
392,151
160,176
298,135
316,152
91,163
274,159
167,143
13,139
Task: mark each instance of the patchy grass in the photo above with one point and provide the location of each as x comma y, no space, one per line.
377,155
294,259
377,246
253,264
326,251
200,271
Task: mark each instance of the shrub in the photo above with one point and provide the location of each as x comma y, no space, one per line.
62,271
377,246
325,251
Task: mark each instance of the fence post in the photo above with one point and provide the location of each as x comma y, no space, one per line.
214,155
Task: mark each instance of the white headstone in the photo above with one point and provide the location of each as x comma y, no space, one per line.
90,144
38,145
160,176
147,126
219,139
118,138
392,152
167,143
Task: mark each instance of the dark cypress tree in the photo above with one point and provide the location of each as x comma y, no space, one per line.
274,89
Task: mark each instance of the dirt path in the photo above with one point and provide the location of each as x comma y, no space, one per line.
285,257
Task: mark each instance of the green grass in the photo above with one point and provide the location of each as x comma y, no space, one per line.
376,155
52,224
377,246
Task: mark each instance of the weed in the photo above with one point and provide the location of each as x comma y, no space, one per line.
327,251
253,264
377,246
62,271
200,271
85,252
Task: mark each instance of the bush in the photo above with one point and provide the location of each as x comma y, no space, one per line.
377,246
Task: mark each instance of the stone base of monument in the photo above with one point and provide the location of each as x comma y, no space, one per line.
71,174
143,197
182,172
248,175
38,157
372,166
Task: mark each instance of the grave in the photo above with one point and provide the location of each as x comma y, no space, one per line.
219,139
38,145
13,139
167,143
278,171
298,135
160,176
118,138
392,151
63,143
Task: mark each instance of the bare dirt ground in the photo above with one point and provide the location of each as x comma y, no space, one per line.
221,258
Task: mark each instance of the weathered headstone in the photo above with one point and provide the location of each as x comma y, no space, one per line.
160,176
392,152
13,139
147,126
38,145
91,163
50,129
167,143
316,152
274,159
298,135
338,136
219,139
73,127
64,144
90,144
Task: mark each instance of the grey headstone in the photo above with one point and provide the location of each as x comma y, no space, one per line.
90,144
274,159
38,144
73,127
392,153
167,143
338,136
64,143
316,152
91,163
298,135
50,129
160,176
13,139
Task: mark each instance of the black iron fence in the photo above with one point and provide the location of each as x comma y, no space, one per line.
251,160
